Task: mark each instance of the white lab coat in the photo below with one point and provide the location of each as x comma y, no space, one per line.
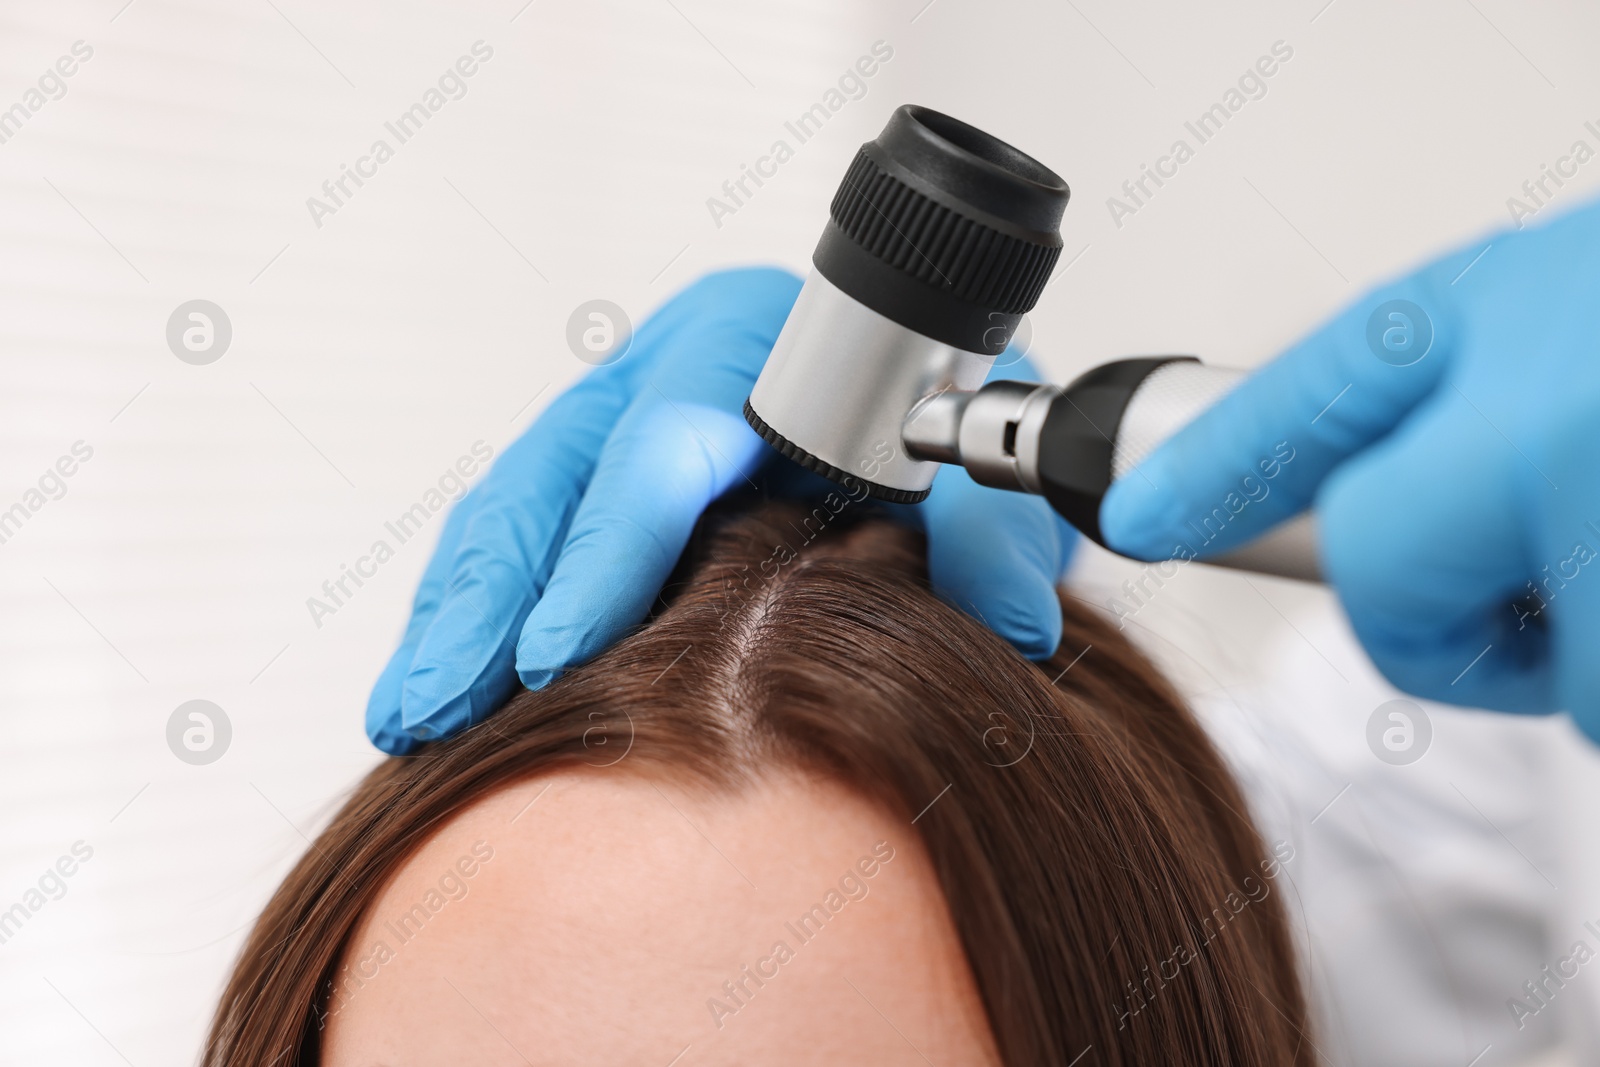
1424,896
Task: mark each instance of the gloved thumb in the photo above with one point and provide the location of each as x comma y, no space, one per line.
1330,395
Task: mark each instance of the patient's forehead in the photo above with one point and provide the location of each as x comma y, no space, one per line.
603,916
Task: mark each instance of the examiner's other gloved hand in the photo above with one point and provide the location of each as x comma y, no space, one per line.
567,541
1450,478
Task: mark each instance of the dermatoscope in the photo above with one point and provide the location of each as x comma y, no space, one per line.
938,241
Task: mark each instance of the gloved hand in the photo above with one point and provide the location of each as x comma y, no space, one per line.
563,546
1450,479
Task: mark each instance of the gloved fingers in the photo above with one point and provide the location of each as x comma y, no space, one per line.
383,717
1423,537
682,443
998,555
463,664
1287,425
457,663
665,463
383,706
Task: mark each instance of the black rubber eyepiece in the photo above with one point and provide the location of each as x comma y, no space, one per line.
944,229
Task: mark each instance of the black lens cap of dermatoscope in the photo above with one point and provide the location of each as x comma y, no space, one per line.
944,229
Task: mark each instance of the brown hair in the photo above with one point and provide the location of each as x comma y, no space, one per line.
1100,870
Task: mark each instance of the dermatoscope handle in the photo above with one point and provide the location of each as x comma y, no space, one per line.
1070,445
1102,425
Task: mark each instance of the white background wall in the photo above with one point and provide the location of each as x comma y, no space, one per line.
428,313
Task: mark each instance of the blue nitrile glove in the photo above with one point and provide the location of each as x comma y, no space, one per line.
1445,489
565,544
